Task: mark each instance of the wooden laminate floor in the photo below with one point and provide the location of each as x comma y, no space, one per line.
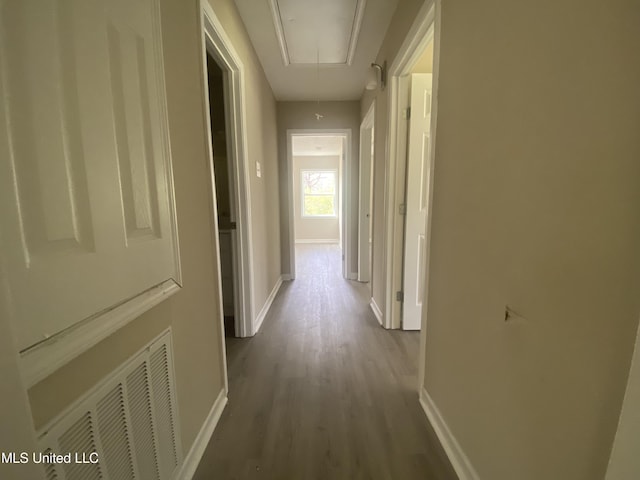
323,392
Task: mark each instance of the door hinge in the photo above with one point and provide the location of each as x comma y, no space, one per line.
402,209
407,113
400,296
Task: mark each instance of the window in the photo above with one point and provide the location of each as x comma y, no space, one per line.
318,193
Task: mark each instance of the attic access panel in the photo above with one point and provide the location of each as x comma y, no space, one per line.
311,32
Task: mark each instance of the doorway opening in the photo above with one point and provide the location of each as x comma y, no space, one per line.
419,85
224,116
317,188
224,196
412,129
365,197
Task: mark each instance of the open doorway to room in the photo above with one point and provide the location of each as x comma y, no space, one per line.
224,115
419,84
365,197
317,185
411,126
223,190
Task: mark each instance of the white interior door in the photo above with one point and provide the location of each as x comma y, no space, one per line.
624,462
85,185
364,225
417,196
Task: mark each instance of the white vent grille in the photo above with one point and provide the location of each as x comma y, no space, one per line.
128,420
50,470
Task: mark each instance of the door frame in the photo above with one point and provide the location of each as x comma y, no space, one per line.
623,459
364,185
346,220
423,30
216,42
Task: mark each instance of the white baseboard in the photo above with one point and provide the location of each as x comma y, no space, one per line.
353,276
267,305
458,459
376,310
192,459
286,277
317,240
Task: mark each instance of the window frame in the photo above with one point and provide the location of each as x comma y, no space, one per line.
303,195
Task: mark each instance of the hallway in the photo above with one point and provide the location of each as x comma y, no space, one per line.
322,391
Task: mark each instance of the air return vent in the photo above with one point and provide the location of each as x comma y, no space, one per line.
128,423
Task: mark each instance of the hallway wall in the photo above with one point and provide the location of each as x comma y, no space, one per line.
193,312
300,115
535,206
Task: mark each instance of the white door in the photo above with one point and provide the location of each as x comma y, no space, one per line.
364,225
85,186
624,462
417,196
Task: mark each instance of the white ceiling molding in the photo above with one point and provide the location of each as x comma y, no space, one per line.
355,31
277,23
302,31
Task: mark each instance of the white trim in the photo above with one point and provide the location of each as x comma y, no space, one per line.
277,24
344,202
376,310
318,240
623,459
456,455
166,140
39,361
286,277
368,122
218,44
434,123
419,35
192,459
355,31
291,208
353,276
267,305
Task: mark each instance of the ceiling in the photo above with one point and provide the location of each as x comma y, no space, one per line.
316,50
311,145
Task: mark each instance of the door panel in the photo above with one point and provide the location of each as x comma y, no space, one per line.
417,195
365,214
87,212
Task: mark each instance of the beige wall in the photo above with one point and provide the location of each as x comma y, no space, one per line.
402,20
535,206
337,115
193,313
318,228
424,64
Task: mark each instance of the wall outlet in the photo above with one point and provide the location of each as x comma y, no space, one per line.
258,171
